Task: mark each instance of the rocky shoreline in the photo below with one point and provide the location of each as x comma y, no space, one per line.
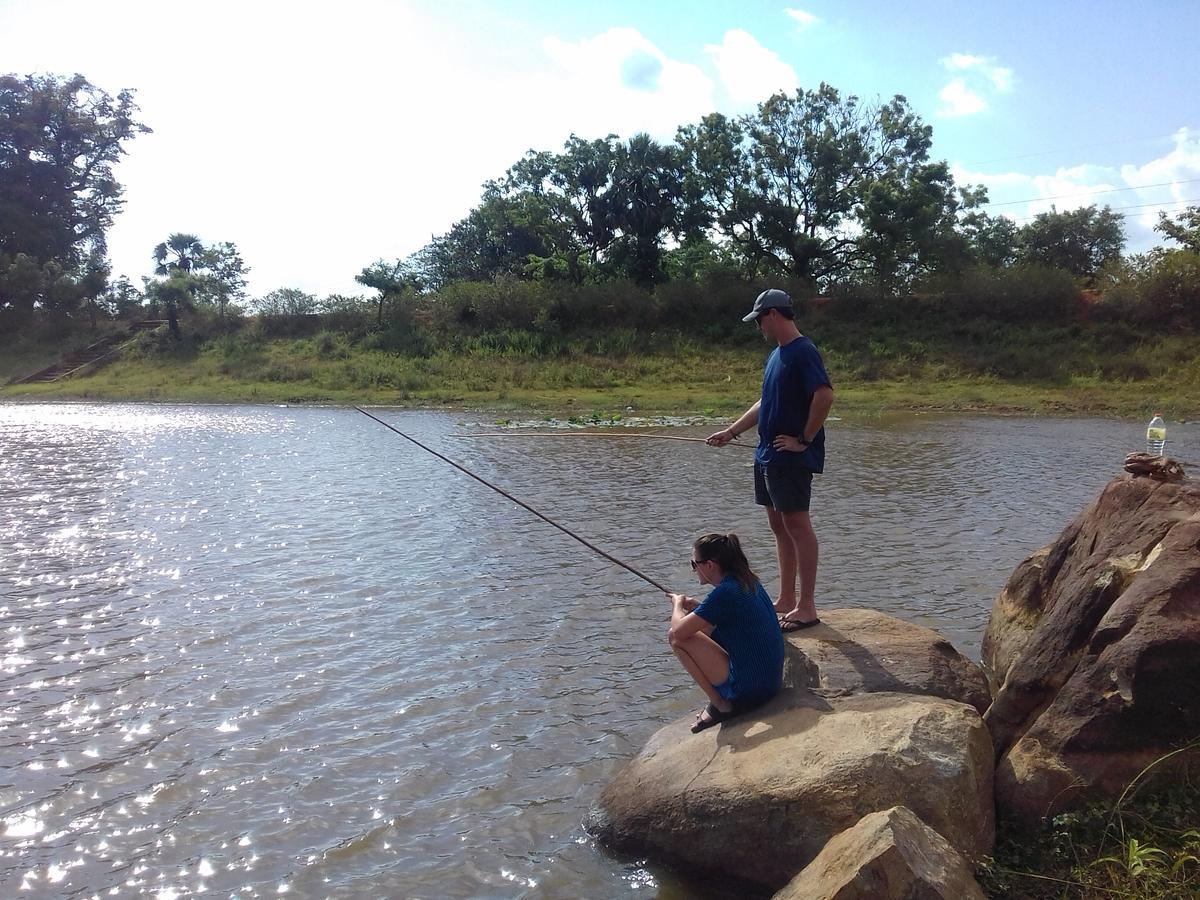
881,767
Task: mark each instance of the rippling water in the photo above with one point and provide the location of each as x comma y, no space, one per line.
257,651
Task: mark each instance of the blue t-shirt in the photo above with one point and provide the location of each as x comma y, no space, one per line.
747,628
793,374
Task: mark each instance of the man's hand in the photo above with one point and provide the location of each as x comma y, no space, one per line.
721,438
789,444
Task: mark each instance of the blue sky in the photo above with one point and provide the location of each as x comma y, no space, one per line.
320,137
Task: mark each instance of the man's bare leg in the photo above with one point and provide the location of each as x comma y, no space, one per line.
798,526
785,548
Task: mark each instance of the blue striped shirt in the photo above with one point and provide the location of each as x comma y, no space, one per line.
747,628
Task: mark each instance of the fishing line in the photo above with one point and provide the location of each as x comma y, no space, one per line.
519,502
607,434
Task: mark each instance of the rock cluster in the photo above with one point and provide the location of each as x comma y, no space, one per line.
1094,651
881,713
877,771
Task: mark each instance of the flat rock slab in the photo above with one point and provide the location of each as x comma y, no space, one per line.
858,651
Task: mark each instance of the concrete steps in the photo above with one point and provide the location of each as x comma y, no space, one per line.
78,360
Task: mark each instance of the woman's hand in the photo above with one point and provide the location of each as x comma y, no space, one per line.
684,602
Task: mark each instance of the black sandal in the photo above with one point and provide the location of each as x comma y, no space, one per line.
715,717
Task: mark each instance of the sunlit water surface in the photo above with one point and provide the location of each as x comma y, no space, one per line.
253,651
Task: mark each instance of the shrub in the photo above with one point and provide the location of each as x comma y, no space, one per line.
1173,287
330,345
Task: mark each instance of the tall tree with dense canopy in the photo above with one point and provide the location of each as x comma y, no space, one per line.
648,184
1081,241
793,186
59,141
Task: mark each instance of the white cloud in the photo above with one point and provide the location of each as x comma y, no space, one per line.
958,62
323,139
964,95
804,20
621,82
959,100
1002,79
1175,176
749,71
1168,183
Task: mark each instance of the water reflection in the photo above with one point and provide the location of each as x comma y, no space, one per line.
252,650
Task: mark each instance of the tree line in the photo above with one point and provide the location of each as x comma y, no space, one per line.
816,189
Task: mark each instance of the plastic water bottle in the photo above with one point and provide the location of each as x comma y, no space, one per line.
1156,435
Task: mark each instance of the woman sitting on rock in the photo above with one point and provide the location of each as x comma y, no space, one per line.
730,642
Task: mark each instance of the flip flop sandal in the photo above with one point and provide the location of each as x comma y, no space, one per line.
789,625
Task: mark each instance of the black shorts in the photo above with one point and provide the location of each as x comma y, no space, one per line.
786,488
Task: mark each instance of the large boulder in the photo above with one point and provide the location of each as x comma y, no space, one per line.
888,855
1094,648
759,796
856,651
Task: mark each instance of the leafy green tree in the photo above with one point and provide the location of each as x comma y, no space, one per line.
599,209
648,185
1172,289
391,280
507,234
171,295
1183,229
287,302
991,240
910,226
719,187
122,299
793,186
215,274
571,196
59,140
221,273
1080,241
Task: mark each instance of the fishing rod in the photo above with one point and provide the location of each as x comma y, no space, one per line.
520,503
607,434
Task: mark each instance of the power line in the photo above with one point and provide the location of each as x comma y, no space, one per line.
1149,140
1117,208
1085,193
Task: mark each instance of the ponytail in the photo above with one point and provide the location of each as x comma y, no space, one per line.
726,551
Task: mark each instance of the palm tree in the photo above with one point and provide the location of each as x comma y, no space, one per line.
185,247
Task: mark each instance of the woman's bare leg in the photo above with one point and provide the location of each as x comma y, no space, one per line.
707,663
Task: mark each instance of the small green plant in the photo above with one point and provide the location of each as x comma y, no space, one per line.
1146,845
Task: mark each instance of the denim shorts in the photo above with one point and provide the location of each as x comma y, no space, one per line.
786,488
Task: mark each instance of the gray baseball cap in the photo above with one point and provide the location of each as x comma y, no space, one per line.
772,299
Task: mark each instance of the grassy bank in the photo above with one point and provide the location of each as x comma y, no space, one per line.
872,374
1145,845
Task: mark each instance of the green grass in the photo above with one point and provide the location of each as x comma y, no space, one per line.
967,366
1145,845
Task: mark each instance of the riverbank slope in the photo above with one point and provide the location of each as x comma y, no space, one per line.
1080,369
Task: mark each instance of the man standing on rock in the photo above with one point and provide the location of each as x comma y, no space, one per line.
796,398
